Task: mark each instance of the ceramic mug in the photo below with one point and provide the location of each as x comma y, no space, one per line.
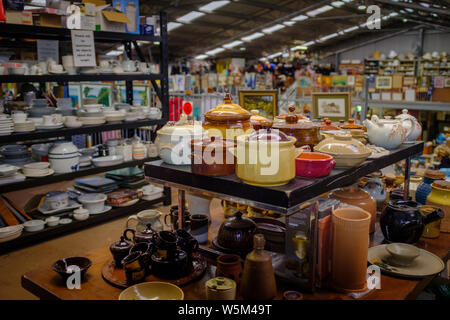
229,266
48,120
173,218
134,267
67,61
199,227
186,242
43,67
166,245
146,250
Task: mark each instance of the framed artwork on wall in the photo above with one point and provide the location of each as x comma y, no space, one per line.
333,105
266,101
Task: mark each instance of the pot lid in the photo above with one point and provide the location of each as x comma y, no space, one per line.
227,111
434,174
239,222
351,125
342,144
291,122
269,135
441,184
329,126
405,115
291,110
220,284
182,127
256,116
148,231
122,243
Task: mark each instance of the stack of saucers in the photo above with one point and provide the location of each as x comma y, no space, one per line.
10,233
37,169
92,114
6,125
25,126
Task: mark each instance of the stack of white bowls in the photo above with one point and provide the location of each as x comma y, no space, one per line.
92,114
37,169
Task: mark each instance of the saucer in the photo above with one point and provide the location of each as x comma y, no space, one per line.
49,127
50,172
72,205
65,221
426,264
105,209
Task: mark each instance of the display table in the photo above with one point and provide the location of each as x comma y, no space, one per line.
47,284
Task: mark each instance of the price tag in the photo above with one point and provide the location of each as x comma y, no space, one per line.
48,49
83,48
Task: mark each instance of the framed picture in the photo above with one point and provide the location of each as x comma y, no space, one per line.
102,91
409,81
304,82
397,81
266,101
383,82
339,81
75,95
447,82
141,93
332,105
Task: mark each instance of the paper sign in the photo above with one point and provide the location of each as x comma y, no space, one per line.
48,49
83,48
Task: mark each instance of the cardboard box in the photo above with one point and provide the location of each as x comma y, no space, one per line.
109,19
82,22
131,9
50,20
19,17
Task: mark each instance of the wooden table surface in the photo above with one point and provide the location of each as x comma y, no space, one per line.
46,284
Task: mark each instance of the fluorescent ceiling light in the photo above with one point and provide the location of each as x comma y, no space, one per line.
307,44
114,53
299,48
201,56
251,37
210,7
190,16
232,44
392,14
275,55
300,18
347,1
320,10
362,7
121,48
337,4
289,23
262,59
350,29
328,36
215,51
363,25
173,25
274,28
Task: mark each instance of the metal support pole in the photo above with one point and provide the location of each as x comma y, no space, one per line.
406,185
181,197
164,67
366,100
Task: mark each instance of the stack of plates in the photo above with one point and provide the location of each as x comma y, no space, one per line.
26,126
92,120
52,126
6,125
12,179
8,170
114,116
10,233
37,169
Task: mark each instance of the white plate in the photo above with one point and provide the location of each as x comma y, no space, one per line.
126,204
72,205
65,221
49,127
105,209
107,161
50,172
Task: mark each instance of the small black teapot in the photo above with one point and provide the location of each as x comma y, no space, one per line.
402,221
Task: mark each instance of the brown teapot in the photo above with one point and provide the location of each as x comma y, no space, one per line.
120,249
146,235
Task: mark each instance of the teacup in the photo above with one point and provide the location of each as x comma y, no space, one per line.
58,118
402,254
134,267
67,61
166,244
70,119
49,120
43,66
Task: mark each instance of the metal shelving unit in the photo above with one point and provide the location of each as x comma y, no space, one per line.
14,34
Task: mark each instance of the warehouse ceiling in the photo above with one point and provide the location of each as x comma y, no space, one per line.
273,26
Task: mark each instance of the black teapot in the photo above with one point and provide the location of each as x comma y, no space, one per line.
402,221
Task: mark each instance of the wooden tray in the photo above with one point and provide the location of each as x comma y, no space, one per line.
116,276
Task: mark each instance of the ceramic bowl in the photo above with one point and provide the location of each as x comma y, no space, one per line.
313,164
402,254
93,202
10,230
107,161
57,199
152,291
80,216
34,225
62,266
52,221
37,165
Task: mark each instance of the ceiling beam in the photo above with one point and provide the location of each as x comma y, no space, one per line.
265,5
415,6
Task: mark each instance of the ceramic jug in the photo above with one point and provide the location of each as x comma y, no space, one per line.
145,217
440,197
412,127
424,189
258,278
386,133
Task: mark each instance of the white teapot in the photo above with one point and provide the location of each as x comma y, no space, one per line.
411,125
386,133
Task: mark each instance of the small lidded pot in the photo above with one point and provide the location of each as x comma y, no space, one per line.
120,249
306,133
227,120
146,235
210,156
351,125
236,234
220,288
258,121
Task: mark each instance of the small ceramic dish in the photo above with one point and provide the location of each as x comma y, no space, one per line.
81,214
93,202
154,290
402,254
65,221
52,221
62,267
107,161
34,225
313,164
